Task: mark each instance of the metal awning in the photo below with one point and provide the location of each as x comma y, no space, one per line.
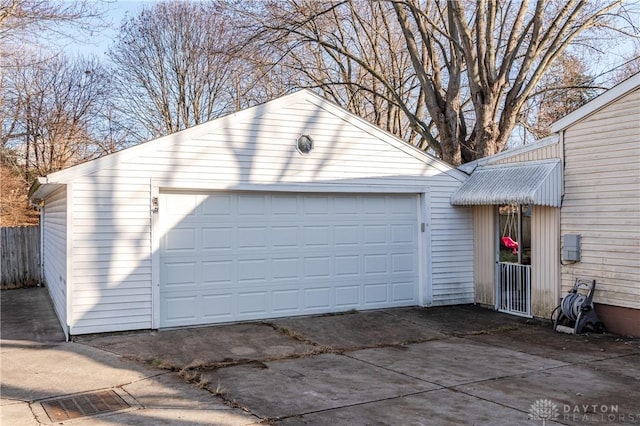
534,182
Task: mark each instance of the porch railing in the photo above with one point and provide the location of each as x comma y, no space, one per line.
514,290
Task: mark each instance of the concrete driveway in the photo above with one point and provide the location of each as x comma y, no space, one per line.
411,366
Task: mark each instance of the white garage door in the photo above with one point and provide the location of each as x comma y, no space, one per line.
239,256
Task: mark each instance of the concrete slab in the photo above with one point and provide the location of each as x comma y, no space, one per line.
543,341
16,414
168,400
170,391
439,408
627,366
461,320
27,315
298,386
168,417
358,330
201,346
454,361
33,373
497,366
580,394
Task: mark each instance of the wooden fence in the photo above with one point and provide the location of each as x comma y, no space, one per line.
20,263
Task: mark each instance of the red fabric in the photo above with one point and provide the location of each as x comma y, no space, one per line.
509,243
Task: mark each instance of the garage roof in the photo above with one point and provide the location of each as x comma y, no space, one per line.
535,182
42,187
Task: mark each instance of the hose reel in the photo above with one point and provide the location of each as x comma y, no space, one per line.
576,310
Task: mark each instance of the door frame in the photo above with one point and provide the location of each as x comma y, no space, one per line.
498,268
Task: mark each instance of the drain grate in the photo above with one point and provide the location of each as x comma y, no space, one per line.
88,404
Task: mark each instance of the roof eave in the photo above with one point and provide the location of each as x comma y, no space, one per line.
41,188
593,106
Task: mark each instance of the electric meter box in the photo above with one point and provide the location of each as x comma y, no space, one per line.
571,247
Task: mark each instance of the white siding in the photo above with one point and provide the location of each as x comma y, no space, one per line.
54,247
602,200
112,220
451,245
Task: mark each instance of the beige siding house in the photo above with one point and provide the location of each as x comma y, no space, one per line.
602,201
598,148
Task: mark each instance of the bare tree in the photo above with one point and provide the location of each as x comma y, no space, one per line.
351,52
55,106
476,63
566,87
174,66
29,22
14,205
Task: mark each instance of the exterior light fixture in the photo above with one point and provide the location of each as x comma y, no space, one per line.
304,144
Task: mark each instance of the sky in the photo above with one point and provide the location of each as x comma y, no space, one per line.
99,42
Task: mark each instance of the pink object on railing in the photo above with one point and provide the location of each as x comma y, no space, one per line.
509,243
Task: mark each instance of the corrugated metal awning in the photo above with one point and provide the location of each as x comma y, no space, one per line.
535,182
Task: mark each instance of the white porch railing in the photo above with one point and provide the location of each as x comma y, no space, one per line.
514,289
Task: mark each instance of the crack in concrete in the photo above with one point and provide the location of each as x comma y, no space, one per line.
356,404
193,373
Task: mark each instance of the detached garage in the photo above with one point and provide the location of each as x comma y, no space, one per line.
294,207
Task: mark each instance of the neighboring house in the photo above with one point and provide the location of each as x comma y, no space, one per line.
231,220
584,181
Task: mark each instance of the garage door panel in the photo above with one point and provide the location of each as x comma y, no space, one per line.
218,238
345,206
252,205
253,302
252,237
403,234
347,265
284,206
346,235
218,306
181,239
317,267
374,235
316,236
216,272
376,294
252,270
375,205
286,301
402,206
179,310
348,296
403,263
317,298
315,205
284,237
375,264
217,205
403,292
285,268
181,205
241,256
179,274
